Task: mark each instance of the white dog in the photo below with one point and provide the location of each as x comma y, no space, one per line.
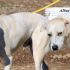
22,26
58,28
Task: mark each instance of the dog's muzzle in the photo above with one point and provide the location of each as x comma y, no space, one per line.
55,47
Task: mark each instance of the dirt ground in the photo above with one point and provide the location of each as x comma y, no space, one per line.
23,59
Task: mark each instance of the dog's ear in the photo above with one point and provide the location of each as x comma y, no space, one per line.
66,20
67,27
66,23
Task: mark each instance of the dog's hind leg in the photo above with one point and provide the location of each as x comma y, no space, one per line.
8,63
3,53
5,58
40,48
8,58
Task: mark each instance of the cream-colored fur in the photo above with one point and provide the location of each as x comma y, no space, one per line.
60,24
24,25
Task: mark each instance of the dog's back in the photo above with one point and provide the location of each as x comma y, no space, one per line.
21,25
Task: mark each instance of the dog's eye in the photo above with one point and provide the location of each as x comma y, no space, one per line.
49,35
60,33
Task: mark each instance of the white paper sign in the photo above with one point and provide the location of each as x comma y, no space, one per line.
57,11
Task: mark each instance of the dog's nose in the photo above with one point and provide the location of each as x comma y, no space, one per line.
55,47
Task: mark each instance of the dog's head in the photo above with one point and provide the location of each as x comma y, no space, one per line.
57,28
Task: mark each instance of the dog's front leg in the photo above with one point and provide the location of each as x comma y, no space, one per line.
38,55
40,39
